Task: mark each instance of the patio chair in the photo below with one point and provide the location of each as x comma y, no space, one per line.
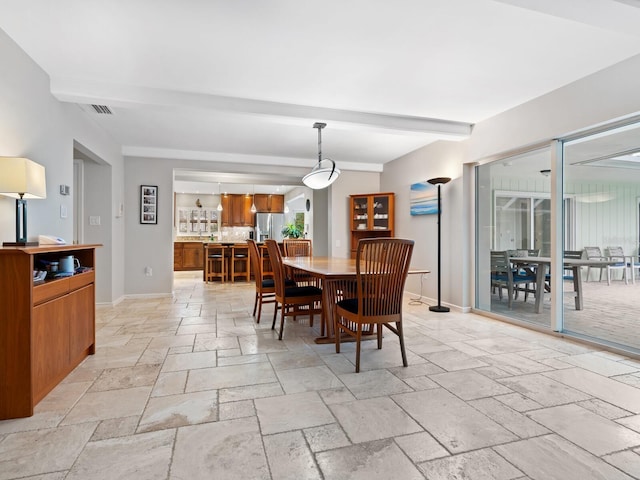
381,271
290,300
594,253
504,275
616,254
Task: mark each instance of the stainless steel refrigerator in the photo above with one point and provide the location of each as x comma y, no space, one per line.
269,225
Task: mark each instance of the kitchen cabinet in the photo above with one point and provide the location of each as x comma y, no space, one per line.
269,203
46,328
188,256
236,211
371,215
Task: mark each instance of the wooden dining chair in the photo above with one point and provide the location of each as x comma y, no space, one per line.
290,300
299,247
382,265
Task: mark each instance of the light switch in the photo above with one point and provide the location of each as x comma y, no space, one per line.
94,220
63,211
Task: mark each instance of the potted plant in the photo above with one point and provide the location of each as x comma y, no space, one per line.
291,230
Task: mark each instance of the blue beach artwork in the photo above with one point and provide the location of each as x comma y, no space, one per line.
424,199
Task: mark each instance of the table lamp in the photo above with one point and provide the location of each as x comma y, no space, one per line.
21,178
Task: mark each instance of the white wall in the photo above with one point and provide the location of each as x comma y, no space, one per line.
440,159
35,125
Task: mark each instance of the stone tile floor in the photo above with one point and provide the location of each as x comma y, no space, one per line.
190,387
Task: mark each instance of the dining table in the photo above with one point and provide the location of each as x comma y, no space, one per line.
542,264
342,273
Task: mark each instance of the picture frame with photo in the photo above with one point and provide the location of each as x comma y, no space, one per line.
149,204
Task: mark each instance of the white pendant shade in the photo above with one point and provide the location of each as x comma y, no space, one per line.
322,176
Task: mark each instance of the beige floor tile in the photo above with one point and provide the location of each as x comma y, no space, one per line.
210,450
240,409
295,359
308,379
292,412
375,383
599,364
586,429
189,361
230,376
513,421
628,462
544,390
390,420
469,385
57,449
179,410
234,394
127,377
144,456
289,457
366,461
616,393
482,464
110,404
170,383
326,437
115,427
456,425
421,447
451,360
553,458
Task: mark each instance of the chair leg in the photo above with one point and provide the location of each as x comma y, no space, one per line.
282,314
255,306
259,309
336,331
275,315
402,349
379,334
358,341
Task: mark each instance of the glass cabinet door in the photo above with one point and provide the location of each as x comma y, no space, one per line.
360,214
381,212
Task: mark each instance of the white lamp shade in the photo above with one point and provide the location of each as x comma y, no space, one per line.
22,176
321,177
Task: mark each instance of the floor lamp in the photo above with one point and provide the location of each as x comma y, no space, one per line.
439,181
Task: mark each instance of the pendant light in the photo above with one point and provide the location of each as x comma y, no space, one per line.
253,200
321,176
219,207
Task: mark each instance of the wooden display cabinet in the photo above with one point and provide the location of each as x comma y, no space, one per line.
46,329
372,215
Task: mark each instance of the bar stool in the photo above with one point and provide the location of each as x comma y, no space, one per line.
215,256
240,258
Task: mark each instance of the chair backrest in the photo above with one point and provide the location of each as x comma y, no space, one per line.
615,253
254,255
533,252
575,254
593,252
276,265
382,265
297,247
500,261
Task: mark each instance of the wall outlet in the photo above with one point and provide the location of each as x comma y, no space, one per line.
148,271
338,243
94,220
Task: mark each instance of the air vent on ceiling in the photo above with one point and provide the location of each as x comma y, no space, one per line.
103,109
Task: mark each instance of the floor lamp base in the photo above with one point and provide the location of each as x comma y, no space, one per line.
439,308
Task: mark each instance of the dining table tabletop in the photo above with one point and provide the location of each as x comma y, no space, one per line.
331,269
541,265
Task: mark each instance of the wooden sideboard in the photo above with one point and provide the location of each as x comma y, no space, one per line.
46,330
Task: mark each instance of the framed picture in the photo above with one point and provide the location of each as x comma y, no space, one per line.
149,204
424,199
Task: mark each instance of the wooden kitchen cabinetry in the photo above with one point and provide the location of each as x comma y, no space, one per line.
372,215
47,329
188,256
236,211
269,203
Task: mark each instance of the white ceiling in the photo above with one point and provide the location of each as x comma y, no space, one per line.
243,81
